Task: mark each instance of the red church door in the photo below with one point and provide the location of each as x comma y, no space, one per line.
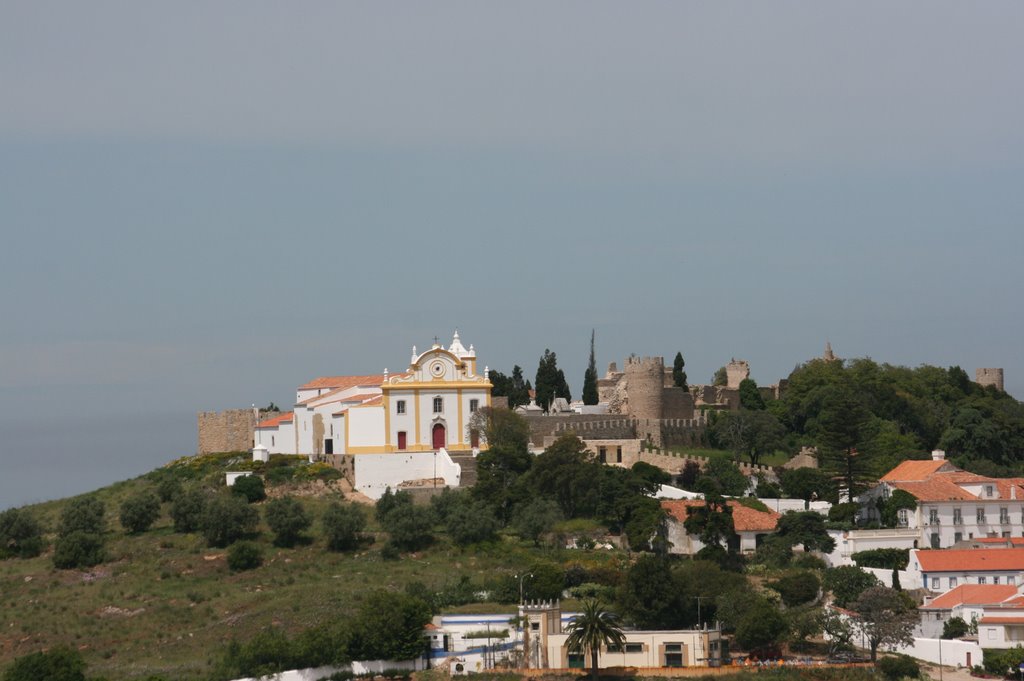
438,436
401,439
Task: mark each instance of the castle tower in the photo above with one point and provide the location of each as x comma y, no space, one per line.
829,355
645,377
986,377
736,371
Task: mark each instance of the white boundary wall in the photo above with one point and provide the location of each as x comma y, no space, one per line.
356,668
374,473
954,653
908,580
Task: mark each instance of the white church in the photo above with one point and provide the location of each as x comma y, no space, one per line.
400,426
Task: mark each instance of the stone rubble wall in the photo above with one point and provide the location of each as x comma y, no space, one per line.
231,430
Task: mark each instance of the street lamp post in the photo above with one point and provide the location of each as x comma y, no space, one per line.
521,578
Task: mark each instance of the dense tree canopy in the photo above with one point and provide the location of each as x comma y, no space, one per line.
514,387
550,381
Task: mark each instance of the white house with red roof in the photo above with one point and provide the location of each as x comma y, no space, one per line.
952,505
750,524
423,410
949,568
967,601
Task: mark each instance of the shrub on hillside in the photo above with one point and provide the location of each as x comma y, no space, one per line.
847,582
168,488
57,664
226,519
899,667
139,511
21,534
761,630
249,487
244,555
389,501
287,519
886,559
80,534
797,587
84,514
470,522
187,510
998,660
409,528
342,526
78,549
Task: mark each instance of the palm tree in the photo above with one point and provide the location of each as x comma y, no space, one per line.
593,628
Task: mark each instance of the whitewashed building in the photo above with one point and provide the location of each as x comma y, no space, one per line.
751,526
404,424
545,634
949,568
425,408
952,505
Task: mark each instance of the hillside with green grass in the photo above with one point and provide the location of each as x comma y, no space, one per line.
166,603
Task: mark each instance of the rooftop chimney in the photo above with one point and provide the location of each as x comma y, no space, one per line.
938,455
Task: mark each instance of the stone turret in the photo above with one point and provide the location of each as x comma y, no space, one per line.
985,377
645,377
736,372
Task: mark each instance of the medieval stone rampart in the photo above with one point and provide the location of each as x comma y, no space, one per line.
225,431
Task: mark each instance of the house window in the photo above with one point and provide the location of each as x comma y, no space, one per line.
271,440
995,580
958,537
602,454
1004,515
613,648
980,512
534,626
400,407
933,516
988,490
438,405
634,647
952,582
982,580
1010,580
473,405
958,517
618,455
902,517
935,583
938,615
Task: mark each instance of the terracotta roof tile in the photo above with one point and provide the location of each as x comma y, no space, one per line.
276,421
744,519
914,470
335,382
971,560
934,489
972,594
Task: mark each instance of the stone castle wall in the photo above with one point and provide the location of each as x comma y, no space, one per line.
225,431
658,432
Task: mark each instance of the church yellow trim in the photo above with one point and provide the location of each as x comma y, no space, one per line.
435,384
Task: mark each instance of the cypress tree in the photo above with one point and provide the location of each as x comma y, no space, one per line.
590,376
678,375
550,381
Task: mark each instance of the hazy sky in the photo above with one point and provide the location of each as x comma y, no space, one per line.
205,204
